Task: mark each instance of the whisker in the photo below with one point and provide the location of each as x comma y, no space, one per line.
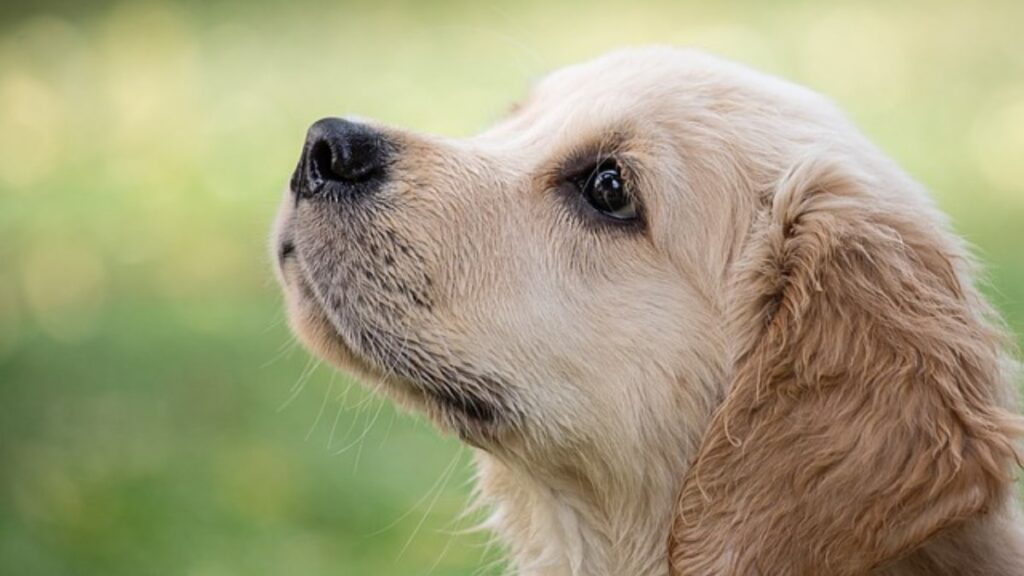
422,499
286,347
300,384
366,430
327,394
337,415
430,508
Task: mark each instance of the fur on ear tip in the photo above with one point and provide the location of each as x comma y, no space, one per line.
1012,427
816,172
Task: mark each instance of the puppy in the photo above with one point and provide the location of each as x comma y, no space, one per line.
691,320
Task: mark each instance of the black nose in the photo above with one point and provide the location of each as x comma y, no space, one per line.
341,158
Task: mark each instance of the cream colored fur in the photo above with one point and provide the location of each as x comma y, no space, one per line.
785,369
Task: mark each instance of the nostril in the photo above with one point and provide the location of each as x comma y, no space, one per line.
321,160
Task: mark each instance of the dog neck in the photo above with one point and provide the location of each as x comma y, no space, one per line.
603,504
573,522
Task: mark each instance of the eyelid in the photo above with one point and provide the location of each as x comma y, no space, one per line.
582,176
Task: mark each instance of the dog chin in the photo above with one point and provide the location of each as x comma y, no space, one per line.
476,423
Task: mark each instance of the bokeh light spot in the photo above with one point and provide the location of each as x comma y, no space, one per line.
64,285
997,144
32,116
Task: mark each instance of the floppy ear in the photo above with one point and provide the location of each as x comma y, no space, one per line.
866,410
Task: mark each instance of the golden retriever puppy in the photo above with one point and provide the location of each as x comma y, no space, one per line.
692,322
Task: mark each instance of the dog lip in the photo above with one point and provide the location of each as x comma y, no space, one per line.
286,250
471,405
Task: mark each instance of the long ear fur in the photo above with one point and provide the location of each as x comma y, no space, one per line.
869,404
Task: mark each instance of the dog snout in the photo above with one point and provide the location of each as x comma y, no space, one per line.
341,157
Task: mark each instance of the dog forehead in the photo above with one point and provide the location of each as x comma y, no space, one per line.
652,79
613,82
581,101
645,85
632,67
656,95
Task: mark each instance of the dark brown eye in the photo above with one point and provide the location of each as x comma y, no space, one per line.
607,193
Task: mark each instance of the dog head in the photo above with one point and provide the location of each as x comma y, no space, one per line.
660,259
554,280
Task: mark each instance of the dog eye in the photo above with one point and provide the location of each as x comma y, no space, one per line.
607,193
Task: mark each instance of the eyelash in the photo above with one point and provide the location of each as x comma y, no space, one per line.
580,178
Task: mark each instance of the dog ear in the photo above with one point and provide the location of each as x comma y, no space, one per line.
867,404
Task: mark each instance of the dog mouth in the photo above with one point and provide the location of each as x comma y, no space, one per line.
285,251
470,401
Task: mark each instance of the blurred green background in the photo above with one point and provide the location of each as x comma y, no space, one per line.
155,415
